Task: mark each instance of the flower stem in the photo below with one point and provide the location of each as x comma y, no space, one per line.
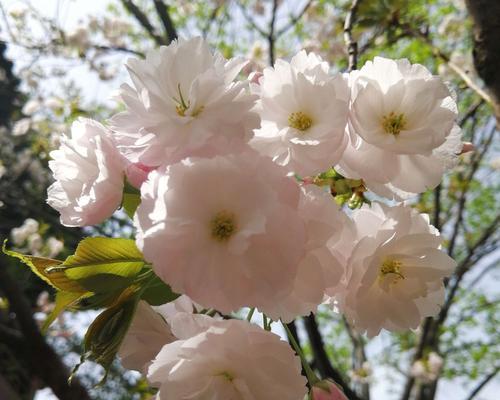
311,376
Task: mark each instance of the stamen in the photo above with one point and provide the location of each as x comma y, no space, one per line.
394,123
182,105
300,121
223,226
392,267
226,375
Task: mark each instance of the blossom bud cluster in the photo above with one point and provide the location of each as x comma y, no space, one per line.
29,235
428,368
231,213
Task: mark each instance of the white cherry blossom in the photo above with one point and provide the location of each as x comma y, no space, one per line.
394,275
228,360
151,329
402,131
184,101
303,114
235,231
89,173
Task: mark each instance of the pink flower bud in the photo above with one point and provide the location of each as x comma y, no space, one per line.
327,390
137,173
467,147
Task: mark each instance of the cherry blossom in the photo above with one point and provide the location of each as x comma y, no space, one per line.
228,360
184,101
303,114
401,140
89,173
394,275
214,230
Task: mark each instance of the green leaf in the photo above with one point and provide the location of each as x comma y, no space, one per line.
63,301
130,203
99,255
105,335
96,301
105,283
331,173
40,266
158,292
131,199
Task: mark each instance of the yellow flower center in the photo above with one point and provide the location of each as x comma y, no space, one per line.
392,268
300,121
223,226
394,123
182,105
226,375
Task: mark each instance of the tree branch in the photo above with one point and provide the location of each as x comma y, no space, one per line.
359,354
270,36
486,14
6,391
351,44
39,355
425,333
436,221
143,21
168,25
322,362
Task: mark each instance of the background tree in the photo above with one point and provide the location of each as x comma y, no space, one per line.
52,59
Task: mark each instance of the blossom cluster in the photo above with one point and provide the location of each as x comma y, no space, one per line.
234,212
29,235
428,368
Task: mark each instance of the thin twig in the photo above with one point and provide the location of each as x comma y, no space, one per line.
294,19
463,194
463,267
118,48
483,383
471,111
482,274
6,22
250,20
213,16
